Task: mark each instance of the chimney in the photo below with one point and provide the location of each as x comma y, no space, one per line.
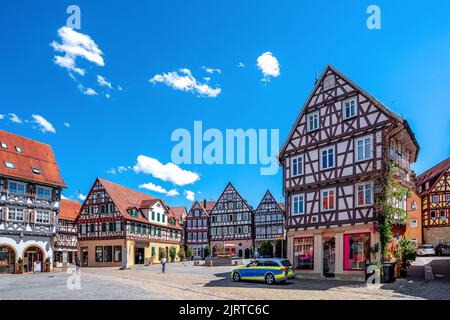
204,203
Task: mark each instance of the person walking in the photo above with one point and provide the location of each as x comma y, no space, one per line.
77,264
163,263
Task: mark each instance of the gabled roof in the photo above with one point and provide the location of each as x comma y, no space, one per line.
33,154
69,209
271,199
179,212
208,205
432,173
125,198
230,186
362,91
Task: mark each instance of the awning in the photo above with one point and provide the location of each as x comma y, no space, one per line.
230,245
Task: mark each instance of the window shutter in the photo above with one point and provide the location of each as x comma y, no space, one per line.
5,214
26,215
32,215
52,217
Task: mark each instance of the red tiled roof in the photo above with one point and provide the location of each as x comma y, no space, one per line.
69,209
209,205
281,204
34,155
125,198
433,172
179,212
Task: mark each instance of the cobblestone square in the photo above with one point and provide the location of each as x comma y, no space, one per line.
185,281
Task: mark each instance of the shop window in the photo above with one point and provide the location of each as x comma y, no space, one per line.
98,254
304,253
356,251
117,253
108,253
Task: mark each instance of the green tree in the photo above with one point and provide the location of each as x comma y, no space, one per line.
266,249
172,253
161,253
207,251
391,213
406,252
181,254
189,253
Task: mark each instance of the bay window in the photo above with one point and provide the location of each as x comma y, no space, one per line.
44,193
16,187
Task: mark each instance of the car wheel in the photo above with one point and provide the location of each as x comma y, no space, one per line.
236,277
270,279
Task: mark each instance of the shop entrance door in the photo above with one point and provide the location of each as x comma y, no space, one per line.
139,256
329,256
84,257
34,260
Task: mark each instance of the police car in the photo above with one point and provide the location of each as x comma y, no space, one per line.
267,270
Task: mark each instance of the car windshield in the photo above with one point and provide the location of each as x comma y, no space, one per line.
252,264
429,246
286,263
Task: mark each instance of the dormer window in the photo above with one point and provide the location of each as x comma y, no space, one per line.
19,149
9,165
36,170
4,145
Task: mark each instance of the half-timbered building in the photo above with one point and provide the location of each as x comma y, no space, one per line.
434,188
118,226
66,240
335,161
231,222
30,194
269,222
197,227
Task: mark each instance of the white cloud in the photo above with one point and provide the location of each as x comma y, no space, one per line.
166,172
2,116
111,171
15,118
241,65
87,91
189,195
81,196
67,124
119,88
268,65
64,197
153,187
102,82
44,124
185,82
120,169
73,45
211,70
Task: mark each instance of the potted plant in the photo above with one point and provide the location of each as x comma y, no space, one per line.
407,254
20,267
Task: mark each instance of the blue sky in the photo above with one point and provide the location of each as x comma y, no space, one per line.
405,65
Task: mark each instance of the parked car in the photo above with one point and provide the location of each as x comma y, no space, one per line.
443,249
266,270
425,250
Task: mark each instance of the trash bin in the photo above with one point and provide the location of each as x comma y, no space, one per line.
146,262
388,272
